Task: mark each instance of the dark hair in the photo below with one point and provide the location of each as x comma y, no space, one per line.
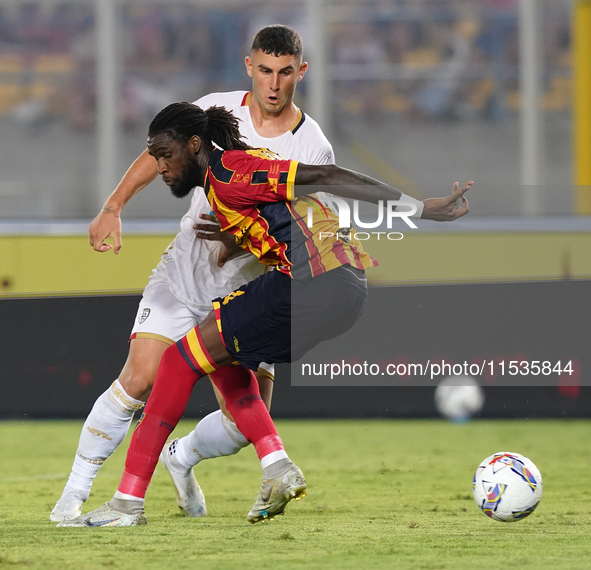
278,40
180,121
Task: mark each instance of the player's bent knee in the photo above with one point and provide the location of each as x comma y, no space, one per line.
139,373
137,386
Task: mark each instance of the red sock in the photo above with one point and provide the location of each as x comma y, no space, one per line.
174,383
240,390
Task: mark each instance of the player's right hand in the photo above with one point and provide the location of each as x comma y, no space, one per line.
449,208
107,224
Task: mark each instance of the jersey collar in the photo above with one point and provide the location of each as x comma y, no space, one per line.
299,119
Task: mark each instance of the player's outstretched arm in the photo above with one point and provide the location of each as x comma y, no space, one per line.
357,186
351,184
108,221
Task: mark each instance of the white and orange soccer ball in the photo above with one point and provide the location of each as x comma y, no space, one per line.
507,486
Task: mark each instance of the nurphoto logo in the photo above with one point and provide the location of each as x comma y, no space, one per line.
344,213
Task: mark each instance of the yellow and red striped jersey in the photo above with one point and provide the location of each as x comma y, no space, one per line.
251,193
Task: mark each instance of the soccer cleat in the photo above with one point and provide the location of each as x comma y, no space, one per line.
189,496
68,507
275,493
106,516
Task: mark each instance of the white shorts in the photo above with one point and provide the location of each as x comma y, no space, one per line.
161,316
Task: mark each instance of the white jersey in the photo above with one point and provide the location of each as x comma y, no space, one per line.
189,265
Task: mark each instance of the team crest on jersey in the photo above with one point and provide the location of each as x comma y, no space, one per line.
145,314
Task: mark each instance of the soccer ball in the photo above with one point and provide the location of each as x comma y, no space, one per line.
458,398
507,486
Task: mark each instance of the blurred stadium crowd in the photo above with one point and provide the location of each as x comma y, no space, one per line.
430,60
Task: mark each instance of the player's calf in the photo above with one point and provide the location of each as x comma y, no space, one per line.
104,429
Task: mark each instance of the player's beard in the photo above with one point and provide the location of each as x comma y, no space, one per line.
191,177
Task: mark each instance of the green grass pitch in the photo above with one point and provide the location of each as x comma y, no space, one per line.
382,494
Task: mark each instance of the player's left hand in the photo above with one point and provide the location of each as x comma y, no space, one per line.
449,208
212,231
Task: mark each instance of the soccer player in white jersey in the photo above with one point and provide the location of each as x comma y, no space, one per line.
179,292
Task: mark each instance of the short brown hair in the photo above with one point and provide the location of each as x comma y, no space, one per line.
278,40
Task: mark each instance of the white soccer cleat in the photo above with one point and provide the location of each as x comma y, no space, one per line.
189,496
106,516
68,507
276,492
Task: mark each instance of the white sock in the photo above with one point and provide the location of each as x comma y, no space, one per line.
105,428
125,497
275,466
127,503
214,436
272,458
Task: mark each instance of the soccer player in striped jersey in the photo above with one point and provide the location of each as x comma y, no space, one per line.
179,292
316,292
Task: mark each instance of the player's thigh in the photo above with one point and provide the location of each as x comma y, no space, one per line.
161,320
254,320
